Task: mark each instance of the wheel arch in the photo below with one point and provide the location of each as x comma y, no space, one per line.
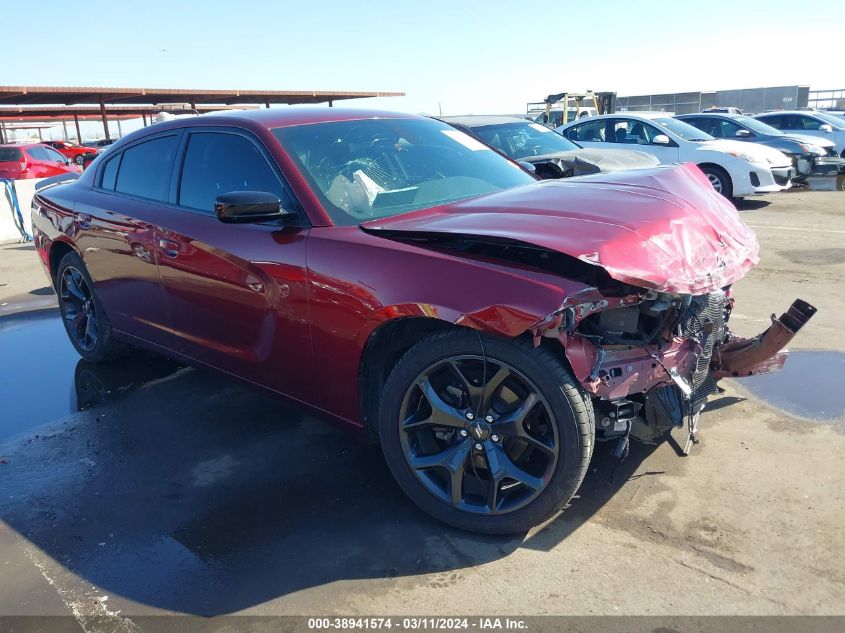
58,250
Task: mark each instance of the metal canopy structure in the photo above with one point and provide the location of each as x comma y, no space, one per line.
109,100
40,95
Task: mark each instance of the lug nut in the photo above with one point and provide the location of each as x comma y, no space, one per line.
489,418
479,447
494,437
470,415
463,432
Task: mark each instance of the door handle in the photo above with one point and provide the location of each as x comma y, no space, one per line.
84,221
169,247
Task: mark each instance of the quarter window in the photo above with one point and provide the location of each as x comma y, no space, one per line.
110,172
146,168
218,163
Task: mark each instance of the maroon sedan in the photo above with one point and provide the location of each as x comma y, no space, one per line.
397,277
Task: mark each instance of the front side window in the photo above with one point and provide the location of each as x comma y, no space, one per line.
632,131
217,163
776,122
374,168
523,140
146,168
592,132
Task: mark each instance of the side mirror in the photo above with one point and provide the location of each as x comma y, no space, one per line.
743,133
237,207
826,127
527,166
660,139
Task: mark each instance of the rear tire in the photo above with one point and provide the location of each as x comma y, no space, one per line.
83,316
720,180
79,160
534,451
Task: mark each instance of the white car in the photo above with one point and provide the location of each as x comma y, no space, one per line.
733,167
809,123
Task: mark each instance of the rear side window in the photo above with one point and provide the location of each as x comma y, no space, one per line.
217,163
774,121
145,169
594,132
37,153
10,155
109,175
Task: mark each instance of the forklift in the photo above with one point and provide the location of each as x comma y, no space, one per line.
555,109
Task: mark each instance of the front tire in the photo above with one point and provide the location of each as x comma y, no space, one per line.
720,180
83,316
495,442
79,160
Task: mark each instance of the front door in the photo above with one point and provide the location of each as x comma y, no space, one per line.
236,293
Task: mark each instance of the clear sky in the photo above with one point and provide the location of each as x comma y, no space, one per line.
463,57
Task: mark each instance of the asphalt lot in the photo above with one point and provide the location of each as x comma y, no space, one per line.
143,487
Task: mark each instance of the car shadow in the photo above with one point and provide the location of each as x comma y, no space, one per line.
751,204
179,489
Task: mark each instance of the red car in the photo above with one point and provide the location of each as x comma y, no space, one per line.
76,153
396,276
35,160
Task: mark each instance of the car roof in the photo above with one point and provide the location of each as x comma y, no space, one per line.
483,119
298,115
808,112
22,145
711,115
630,115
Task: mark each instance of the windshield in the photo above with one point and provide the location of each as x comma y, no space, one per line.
836,122
523,139
375,168
758,126
684,130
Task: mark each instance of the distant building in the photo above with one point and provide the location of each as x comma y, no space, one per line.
751,100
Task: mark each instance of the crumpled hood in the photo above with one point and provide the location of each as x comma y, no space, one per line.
664,228
592,161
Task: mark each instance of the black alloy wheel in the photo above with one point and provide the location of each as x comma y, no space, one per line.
78,309
478,435
495,441
83,316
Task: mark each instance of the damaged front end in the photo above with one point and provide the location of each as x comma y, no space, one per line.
651,359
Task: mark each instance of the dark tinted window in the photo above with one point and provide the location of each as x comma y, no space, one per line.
110,172
145,168
217,163
592,132
775,121
10,155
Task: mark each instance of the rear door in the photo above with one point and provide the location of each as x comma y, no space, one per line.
236,293
116,226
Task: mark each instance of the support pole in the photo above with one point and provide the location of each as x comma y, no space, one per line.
119,129
2,132
78,133
267,103
105,120
144,119
64,130
331,103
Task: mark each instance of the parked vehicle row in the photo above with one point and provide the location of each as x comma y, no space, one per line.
33,160
548,154
811,156
732,167
76,153
400,278
809,123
